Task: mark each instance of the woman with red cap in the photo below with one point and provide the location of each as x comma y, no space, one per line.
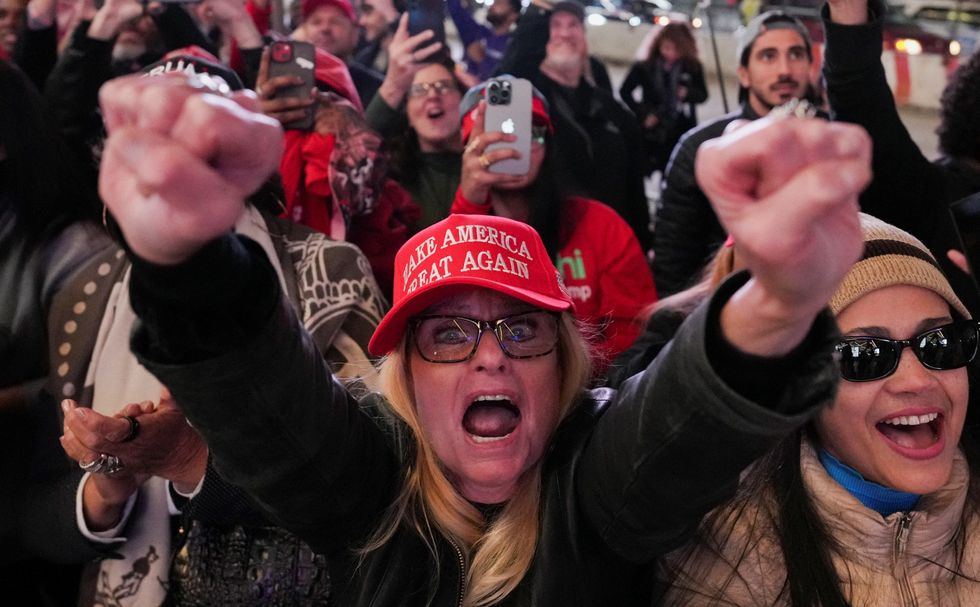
599,257
484,474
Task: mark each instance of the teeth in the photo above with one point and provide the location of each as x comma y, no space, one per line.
493,397
488,439
911,420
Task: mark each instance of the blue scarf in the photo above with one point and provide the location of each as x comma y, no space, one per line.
881,499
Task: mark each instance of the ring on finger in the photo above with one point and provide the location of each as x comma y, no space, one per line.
134,429
484,161
96,465
113,465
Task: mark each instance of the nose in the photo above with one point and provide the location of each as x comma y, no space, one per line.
489,354
911,375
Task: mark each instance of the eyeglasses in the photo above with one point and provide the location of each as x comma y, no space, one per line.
441,87
539,134
947,347
454,339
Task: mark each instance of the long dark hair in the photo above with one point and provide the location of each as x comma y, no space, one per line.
38,176
547,196
405,153
805,544
680,34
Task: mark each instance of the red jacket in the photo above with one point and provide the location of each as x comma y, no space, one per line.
604,271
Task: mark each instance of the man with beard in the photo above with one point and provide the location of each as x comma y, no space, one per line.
484,45
378,19
11,20
597,140
332,26
774,55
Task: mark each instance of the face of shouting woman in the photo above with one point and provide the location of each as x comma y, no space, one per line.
433,109
487,418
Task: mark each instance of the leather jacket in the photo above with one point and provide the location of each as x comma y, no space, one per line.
627,477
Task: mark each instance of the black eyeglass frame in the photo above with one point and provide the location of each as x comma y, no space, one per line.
898,345
494,326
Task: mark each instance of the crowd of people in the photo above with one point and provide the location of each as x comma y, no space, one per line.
364,361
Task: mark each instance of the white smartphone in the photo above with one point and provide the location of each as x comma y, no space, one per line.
509,111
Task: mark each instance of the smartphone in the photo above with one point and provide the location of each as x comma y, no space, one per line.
966,218
291,58
429,15
509,111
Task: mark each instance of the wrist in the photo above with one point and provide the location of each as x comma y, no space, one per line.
102,508
106,24
392,93
759,323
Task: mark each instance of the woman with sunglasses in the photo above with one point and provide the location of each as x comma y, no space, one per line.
876,501
596,251
483,474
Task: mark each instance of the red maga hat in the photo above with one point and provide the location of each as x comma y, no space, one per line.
309,6
462,251
333,73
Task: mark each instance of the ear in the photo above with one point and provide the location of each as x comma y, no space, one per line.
743,76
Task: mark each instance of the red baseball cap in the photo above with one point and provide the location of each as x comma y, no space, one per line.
309,6
461,251
333,73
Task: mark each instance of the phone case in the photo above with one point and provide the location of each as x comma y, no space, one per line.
295,59
966,218
428,15
510,113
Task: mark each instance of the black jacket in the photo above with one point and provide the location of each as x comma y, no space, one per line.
628,475
599,146
686,231
908,190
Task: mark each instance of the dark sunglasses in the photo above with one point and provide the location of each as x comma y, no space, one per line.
947,347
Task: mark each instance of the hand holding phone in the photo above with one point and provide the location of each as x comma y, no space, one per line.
295,60
429,15
509,111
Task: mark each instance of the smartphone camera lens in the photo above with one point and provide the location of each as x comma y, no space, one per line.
494,99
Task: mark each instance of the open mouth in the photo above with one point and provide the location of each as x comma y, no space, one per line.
915,433
491,418
435,113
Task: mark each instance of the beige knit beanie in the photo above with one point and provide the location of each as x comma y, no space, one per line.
892,257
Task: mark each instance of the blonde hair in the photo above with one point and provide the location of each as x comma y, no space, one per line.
497,556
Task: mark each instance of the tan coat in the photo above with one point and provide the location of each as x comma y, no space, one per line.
895,561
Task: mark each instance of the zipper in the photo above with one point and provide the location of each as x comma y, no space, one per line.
462,572
900,562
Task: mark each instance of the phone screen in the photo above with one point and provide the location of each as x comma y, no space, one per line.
429,15
295,59
509,111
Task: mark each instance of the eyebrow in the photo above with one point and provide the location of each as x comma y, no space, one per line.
877,331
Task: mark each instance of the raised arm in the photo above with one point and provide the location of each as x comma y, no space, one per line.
214,326
671,447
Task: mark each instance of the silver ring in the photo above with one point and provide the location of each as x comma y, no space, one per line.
104,464
113,465
95,466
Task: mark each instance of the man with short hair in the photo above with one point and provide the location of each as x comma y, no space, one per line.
11,22
774,58
378,19
332,26
484,45
597,141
